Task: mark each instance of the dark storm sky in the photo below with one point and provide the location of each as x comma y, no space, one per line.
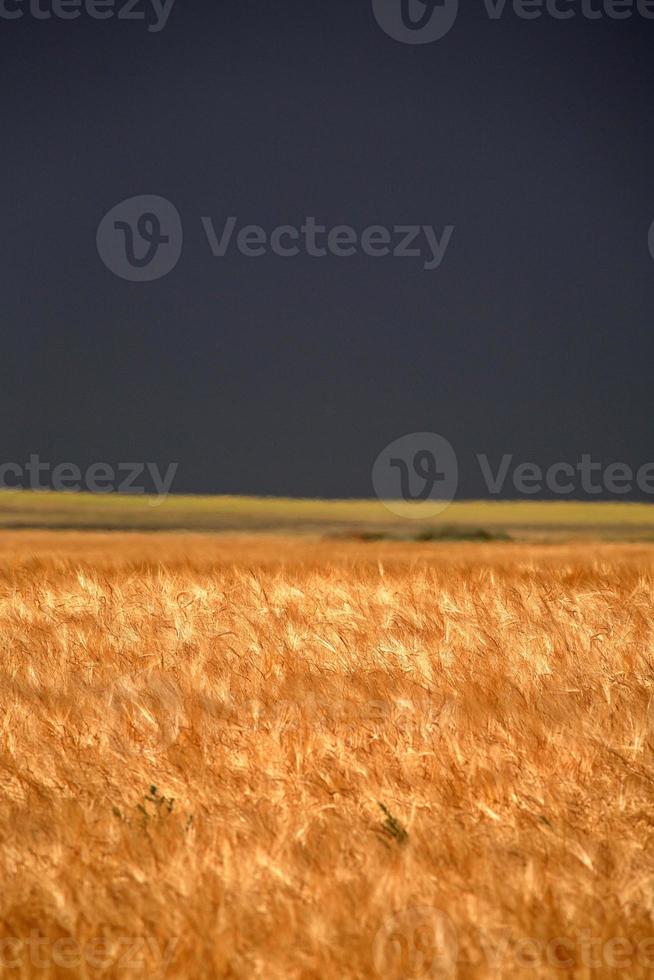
288,376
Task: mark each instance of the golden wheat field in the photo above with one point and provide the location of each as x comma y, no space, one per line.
269,757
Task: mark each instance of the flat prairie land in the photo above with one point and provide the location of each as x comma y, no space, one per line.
521,519
284,757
